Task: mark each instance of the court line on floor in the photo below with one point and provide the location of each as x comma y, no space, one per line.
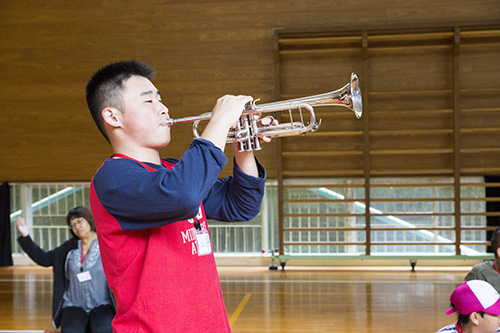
27,331
240,308
287,281
343,281
26,280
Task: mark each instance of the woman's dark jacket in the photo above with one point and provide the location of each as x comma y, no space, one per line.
57,259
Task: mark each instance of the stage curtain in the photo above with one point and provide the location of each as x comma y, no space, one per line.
5,244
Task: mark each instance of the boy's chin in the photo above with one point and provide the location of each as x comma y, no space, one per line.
163,144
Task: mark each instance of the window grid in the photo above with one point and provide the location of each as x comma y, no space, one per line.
408,215
45,206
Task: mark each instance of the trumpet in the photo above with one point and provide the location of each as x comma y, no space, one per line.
247,131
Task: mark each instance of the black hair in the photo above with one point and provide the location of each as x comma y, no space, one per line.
464,319
78,212
495,241
104,89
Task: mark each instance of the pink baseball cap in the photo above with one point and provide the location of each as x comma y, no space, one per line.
473,296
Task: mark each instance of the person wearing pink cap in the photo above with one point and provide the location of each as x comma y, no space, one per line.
478,307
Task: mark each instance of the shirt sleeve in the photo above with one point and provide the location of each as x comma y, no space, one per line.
470,276
236,198
36,254
139,198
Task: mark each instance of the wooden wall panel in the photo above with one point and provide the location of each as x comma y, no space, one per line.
433,109
201,50
421,100
411,140
479,101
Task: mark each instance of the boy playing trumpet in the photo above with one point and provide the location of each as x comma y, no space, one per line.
151,213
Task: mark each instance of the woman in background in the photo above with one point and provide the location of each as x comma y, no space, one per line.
81,299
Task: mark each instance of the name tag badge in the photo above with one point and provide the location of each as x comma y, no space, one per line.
84,276
203,242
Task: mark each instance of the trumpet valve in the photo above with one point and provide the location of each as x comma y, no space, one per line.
254,128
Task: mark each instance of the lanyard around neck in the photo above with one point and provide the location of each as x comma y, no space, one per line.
83,256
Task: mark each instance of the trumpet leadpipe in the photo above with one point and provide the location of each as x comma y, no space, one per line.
190,119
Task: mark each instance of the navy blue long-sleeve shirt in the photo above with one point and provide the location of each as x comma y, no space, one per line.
141,199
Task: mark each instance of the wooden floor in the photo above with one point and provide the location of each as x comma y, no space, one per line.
297,299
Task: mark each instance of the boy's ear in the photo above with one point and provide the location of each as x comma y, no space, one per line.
111,116
498,252
474,318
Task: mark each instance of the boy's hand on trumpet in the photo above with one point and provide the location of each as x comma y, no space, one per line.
225,113
267,121
246,159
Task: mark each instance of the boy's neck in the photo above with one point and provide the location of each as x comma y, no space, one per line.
468,328
143,155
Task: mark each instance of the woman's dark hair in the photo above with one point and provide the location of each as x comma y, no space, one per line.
78,212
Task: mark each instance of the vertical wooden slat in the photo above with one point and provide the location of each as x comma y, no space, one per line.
279,149
456,138
366,141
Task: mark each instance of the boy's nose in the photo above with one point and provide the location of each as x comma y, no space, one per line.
164,110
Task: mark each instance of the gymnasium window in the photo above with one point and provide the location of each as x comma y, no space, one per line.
320,217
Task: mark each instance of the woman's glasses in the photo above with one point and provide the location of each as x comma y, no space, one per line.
76,222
